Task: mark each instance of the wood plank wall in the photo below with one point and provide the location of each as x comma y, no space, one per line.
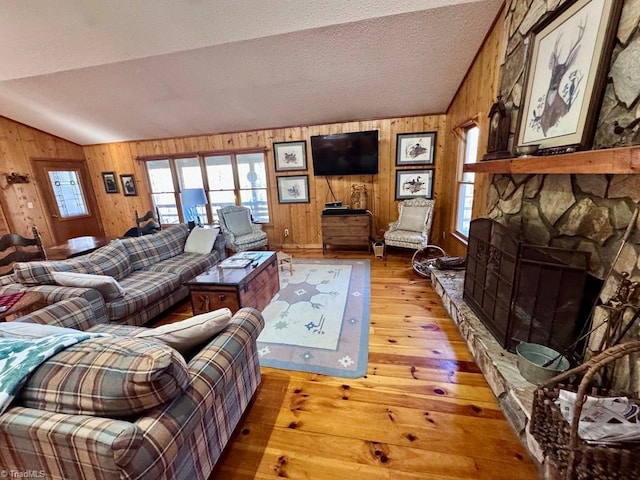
302,220
472,102
18,144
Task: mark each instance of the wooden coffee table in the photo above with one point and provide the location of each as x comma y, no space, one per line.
234,288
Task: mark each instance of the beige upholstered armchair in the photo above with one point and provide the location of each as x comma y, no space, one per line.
413,226
239,232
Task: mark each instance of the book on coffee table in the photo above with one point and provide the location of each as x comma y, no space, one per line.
235,262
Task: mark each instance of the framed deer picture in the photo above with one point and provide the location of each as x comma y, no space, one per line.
567,60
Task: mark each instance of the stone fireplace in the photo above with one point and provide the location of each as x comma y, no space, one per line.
589,213
526,293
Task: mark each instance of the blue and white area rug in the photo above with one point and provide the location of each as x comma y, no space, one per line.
319,321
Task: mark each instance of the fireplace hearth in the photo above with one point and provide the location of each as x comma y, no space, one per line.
526,293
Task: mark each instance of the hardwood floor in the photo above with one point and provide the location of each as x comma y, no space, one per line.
423,411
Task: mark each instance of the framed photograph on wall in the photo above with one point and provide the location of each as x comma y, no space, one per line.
110,182
294,189
128,182
415,148
290,156
414,183
566,67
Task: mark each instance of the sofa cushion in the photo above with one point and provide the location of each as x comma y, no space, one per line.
201,240
151,249
189,333
187,265
107,286
142,289
112,260
110,376
238,222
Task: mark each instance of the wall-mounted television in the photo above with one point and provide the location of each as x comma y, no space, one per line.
345,153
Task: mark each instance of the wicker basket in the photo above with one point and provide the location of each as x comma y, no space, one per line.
424,258
573,457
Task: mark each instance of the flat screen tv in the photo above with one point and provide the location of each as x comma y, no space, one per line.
345,153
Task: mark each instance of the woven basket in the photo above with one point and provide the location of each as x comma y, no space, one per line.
574,458
424,258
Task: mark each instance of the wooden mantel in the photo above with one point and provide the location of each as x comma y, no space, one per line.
623,160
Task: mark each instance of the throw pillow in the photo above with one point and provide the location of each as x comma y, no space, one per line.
201,240
238,222
412,218
185,335
107,286
108,376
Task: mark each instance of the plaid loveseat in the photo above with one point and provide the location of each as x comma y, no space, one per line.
178,439
152,270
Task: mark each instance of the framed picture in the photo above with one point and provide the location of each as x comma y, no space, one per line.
415,148
293,189
290,156
128,182
567,62
414,183
110,183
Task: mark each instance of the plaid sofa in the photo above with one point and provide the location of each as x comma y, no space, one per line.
179,439
152,270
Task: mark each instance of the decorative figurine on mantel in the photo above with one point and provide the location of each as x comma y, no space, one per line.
499,124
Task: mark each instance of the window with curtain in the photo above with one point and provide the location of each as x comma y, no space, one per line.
220,179
465,180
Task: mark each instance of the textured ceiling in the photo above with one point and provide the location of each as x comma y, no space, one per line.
105,71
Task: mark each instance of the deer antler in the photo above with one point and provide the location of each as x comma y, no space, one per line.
575,48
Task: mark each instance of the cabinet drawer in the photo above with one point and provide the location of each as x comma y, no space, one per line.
203,301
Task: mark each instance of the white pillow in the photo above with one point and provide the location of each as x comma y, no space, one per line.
189,333
106,285
412,218
201,240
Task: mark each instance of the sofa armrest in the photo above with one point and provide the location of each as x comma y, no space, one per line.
224,375
219,246
31,437
74,313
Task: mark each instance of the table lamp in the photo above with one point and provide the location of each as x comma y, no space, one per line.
191,199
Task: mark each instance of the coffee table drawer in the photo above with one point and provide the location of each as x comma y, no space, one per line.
203,301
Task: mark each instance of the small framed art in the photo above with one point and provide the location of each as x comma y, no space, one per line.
294,189
414,183
290,156
415,148
128,182
110,183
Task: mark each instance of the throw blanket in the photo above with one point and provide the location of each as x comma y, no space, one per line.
20,357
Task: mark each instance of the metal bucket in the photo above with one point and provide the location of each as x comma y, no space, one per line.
532,357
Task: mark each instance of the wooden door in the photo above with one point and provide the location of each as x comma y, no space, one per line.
69,200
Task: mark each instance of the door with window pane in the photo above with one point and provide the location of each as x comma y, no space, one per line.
70,201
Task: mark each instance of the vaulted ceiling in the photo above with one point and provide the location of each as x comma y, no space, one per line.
95,71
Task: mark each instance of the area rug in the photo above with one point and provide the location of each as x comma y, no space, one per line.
319,321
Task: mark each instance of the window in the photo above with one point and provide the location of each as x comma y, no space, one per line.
465,180
227,179
68,193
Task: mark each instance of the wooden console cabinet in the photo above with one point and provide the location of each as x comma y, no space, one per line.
348,229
